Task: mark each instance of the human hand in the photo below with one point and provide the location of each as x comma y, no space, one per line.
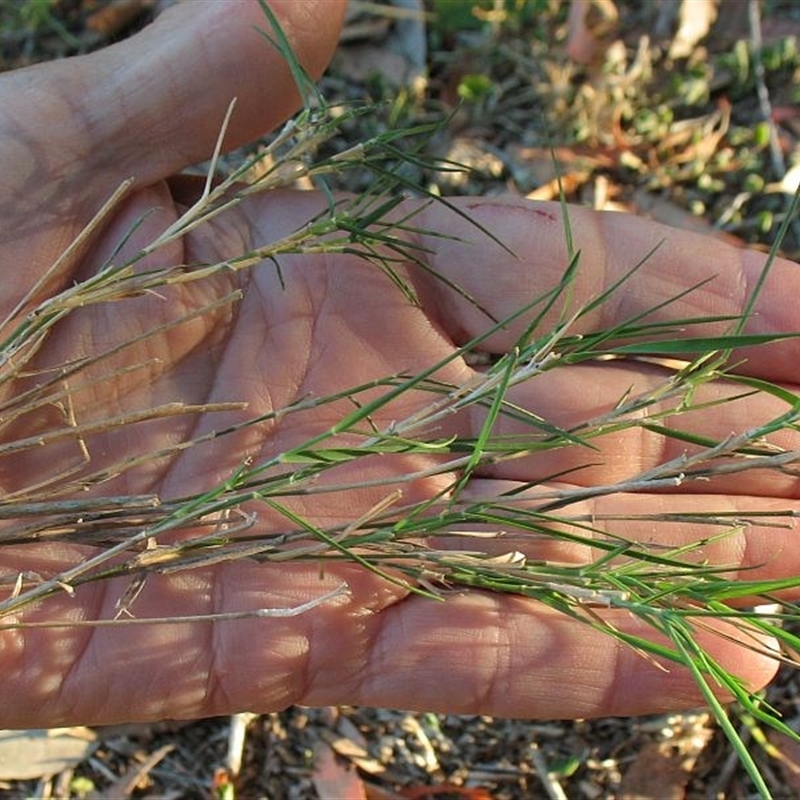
150,106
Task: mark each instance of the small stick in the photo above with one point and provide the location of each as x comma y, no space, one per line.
67,257
257,613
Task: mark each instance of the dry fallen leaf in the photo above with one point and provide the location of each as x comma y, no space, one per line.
444,789
663,768
26,755
655,773
333,779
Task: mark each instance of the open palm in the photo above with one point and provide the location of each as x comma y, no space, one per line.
323,325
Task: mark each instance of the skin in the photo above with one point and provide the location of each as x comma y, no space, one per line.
69,133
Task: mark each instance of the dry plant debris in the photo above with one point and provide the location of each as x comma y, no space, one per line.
656,108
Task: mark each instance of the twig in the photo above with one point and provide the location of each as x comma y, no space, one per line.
256,613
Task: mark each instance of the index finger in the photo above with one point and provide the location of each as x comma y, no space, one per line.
153,104
526,256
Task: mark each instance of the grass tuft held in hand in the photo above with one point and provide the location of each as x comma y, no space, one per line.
674,590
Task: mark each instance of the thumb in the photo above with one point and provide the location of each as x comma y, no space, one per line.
151,105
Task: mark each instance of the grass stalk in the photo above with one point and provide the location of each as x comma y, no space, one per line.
139,536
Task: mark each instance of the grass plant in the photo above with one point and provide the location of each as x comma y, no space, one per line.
673,590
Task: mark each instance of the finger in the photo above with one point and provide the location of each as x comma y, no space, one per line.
511,657
744,537
590,400
151,105
473,653
611,244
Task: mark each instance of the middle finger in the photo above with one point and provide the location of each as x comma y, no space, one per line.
624,421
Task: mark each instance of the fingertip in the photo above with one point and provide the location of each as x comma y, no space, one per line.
510,657
208,56
149,106
507,253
